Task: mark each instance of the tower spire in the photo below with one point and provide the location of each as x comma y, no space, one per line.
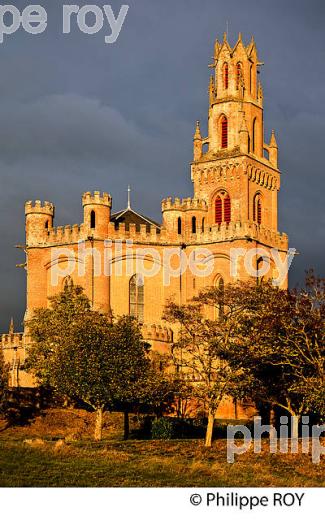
129,197
197,134
11,326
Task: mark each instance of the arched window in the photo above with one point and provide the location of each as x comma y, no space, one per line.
223,208
219,205
227,209
179,225
251,78
257,209
47,224
254,136
67,283
225,76
224,132
203,225
92,219
136,297
238,75
193,224
259,267
220,286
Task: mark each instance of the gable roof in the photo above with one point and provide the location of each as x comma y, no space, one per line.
129,216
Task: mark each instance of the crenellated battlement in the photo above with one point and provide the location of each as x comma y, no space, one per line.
65,235
146,234
240,231
97,198
12,340
45,208
157,333
186,204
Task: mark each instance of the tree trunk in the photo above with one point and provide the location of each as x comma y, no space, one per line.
126,425
295,418
99,424
273,417
209,432
295,426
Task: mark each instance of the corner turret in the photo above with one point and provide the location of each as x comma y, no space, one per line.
39,220
97,213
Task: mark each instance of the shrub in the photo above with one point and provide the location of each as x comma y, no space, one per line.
162,428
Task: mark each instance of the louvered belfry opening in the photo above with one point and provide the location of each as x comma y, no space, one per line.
259,211
225,76
218,210
224,132
227,209
238,75
223,208
254,136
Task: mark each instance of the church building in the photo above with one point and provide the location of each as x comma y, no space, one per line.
236,181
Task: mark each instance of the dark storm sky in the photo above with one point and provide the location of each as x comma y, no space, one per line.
77,114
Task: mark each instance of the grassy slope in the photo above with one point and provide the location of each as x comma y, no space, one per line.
114,463
149,463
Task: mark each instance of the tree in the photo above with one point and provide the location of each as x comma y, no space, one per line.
286,351
83,355
205,346
161,392
131,363
3,382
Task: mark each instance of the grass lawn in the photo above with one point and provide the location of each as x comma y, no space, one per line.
114,463
149,463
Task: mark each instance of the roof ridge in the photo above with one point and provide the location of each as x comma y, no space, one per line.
147,219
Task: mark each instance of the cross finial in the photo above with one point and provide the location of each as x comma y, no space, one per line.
129,197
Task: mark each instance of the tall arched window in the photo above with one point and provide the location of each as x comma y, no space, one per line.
220,304
254,136
223,208
92,219
47,224
224,132
193,224
227,209
219,205
225,76
179,225
238,75
251,78
259,267
136,297
257,209
203,225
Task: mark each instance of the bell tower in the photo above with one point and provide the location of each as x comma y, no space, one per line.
233,163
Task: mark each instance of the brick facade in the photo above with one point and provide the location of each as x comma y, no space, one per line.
237,165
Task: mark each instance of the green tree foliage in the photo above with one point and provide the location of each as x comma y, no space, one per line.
286,351
3,382
260,342
84,356
204,347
